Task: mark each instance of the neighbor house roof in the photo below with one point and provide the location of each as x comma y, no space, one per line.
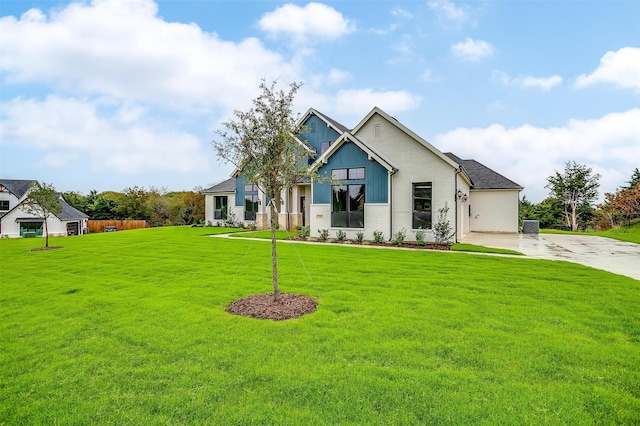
482,176
69,212
17,187
228,185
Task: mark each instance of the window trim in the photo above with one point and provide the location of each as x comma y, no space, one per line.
349,214
415,211
220,213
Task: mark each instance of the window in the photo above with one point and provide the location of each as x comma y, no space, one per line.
4,205
250,206
348,174
220,211
347,206
422,205
251,187
312,127
340,174
357,173
324,146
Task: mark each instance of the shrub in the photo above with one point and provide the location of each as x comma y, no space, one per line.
399,237
231,221
304,232
420,237
341,235
324,234
252,226
378,237
360,236
442,229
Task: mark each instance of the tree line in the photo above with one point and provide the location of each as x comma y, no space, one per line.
570,204
157,206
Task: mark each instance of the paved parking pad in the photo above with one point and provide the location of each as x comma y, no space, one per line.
607,254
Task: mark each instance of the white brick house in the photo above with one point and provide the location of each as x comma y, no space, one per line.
389,179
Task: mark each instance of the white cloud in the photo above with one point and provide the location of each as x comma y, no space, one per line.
401,13
449,13
620,68
472,50
528,154
313,22
122,49
360,102
542,83
63,130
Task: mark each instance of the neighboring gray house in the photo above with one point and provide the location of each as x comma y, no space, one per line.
390,179
15,222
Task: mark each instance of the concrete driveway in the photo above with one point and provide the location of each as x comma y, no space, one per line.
607,254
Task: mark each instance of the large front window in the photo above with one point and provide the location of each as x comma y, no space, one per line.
250,206
220,211
422,205
347,206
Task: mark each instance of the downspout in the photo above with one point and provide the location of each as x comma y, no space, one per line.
455,199
393,172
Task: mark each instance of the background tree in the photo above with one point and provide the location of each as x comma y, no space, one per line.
263,144
43,201
635,179
576,188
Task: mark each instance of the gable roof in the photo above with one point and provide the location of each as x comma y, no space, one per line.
347,136
338,127
482,176
228,185
406,130
17,187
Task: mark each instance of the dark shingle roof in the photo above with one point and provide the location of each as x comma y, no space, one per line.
228,185
341,127
482,176
17,187
69,212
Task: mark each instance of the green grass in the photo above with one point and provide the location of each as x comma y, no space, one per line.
266,235
472,248
130,328
628,233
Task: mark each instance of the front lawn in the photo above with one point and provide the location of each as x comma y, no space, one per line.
130,328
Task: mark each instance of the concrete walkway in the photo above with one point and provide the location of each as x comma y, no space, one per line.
611,255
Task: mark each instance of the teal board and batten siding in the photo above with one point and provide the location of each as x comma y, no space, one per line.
321,134
349,155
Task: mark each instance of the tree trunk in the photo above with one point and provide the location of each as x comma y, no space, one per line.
274,252
46,233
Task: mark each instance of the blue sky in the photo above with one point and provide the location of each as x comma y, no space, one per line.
111,94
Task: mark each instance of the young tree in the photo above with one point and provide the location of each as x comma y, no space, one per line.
576,188
262,143
43,201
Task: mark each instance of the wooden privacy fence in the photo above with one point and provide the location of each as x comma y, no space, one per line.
121,225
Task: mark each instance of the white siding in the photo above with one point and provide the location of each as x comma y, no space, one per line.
494,211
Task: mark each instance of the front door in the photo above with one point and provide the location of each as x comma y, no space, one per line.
303,203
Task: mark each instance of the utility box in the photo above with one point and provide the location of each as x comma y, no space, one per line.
530,226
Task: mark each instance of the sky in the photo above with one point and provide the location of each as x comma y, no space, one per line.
109,94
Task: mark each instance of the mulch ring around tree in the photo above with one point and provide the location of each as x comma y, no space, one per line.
262,306
46,248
